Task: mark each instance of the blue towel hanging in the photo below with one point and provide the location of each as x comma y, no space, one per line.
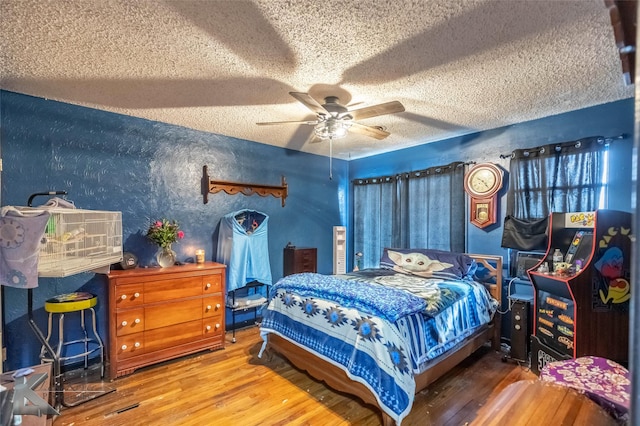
244,247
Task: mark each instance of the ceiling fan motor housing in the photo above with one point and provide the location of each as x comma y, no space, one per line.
333,106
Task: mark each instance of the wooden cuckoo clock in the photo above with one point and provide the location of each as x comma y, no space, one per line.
482,182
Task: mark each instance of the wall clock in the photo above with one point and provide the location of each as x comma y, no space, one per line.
482,182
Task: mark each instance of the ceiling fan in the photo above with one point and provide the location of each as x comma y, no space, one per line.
334,120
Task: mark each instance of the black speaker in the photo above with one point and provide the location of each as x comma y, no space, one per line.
129,261
520,330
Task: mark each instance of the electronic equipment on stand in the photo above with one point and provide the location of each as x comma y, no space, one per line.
520,294
520,305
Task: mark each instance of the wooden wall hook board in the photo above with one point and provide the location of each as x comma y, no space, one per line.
210,186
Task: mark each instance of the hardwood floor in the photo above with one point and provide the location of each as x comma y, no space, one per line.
234,387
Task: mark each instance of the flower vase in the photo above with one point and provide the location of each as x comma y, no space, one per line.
166,257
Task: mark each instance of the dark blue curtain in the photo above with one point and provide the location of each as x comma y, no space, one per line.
562,177
419,209
435,215
376,217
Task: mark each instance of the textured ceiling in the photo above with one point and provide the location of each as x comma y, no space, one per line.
221,66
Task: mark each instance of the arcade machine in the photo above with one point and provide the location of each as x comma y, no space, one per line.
581,294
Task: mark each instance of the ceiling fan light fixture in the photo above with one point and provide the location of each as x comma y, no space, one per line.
334,120
332,128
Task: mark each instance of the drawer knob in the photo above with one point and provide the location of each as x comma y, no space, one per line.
217,306
136,294
124,347
208,327
217,326
123,297
137,321
208,307
137,344
208,285
124,323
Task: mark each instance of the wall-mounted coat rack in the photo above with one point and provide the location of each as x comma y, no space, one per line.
213,186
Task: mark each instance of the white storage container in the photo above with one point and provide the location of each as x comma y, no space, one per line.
78,240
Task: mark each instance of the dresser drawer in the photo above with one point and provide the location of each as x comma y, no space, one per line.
172,313
130,321
212,327
168,337
306,266
212,306
211,284
168,290
130,345
306,255
129,296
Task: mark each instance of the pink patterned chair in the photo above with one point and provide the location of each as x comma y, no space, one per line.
604,381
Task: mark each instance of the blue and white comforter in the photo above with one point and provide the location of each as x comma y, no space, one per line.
379,326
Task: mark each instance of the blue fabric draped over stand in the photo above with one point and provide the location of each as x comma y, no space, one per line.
243,246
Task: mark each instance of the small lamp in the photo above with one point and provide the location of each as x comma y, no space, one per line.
358,259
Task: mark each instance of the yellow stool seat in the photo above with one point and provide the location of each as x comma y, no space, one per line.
70,302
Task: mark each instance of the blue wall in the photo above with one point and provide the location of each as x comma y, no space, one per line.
149,170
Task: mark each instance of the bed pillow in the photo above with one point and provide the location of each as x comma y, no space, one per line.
428,263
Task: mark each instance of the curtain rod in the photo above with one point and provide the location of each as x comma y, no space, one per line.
437,169
601,139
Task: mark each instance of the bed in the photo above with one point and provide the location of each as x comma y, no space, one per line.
384,334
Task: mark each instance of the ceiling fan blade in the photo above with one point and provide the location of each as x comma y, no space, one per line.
370,131
376,110
270,123
309,102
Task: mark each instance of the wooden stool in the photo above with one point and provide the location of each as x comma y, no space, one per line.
61,305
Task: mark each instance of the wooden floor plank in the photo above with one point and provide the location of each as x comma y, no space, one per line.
233,386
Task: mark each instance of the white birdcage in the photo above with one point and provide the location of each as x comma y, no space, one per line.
78,240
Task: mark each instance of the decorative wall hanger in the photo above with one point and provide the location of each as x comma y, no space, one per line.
213,186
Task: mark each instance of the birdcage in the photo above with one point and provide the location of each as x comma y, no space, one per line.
78,240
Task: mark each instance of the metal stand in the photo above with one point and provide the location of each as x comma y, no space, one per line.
252,290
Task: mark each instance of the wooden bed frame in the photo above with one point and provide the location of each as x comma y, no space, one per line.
338,379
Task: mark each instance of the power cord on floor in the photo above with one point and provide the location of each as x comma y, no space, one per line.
508,297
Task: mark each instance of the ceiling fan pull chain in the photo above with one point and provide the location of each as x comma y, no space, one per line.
330,158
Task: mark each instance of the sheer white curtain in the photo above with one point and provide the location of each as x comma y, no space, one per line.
421,209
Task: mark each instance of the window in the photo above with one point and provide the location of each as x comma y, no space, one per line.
421,209
565,177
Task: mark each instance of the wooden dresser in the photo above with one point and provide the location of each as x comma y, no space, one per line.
299,259
156,314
